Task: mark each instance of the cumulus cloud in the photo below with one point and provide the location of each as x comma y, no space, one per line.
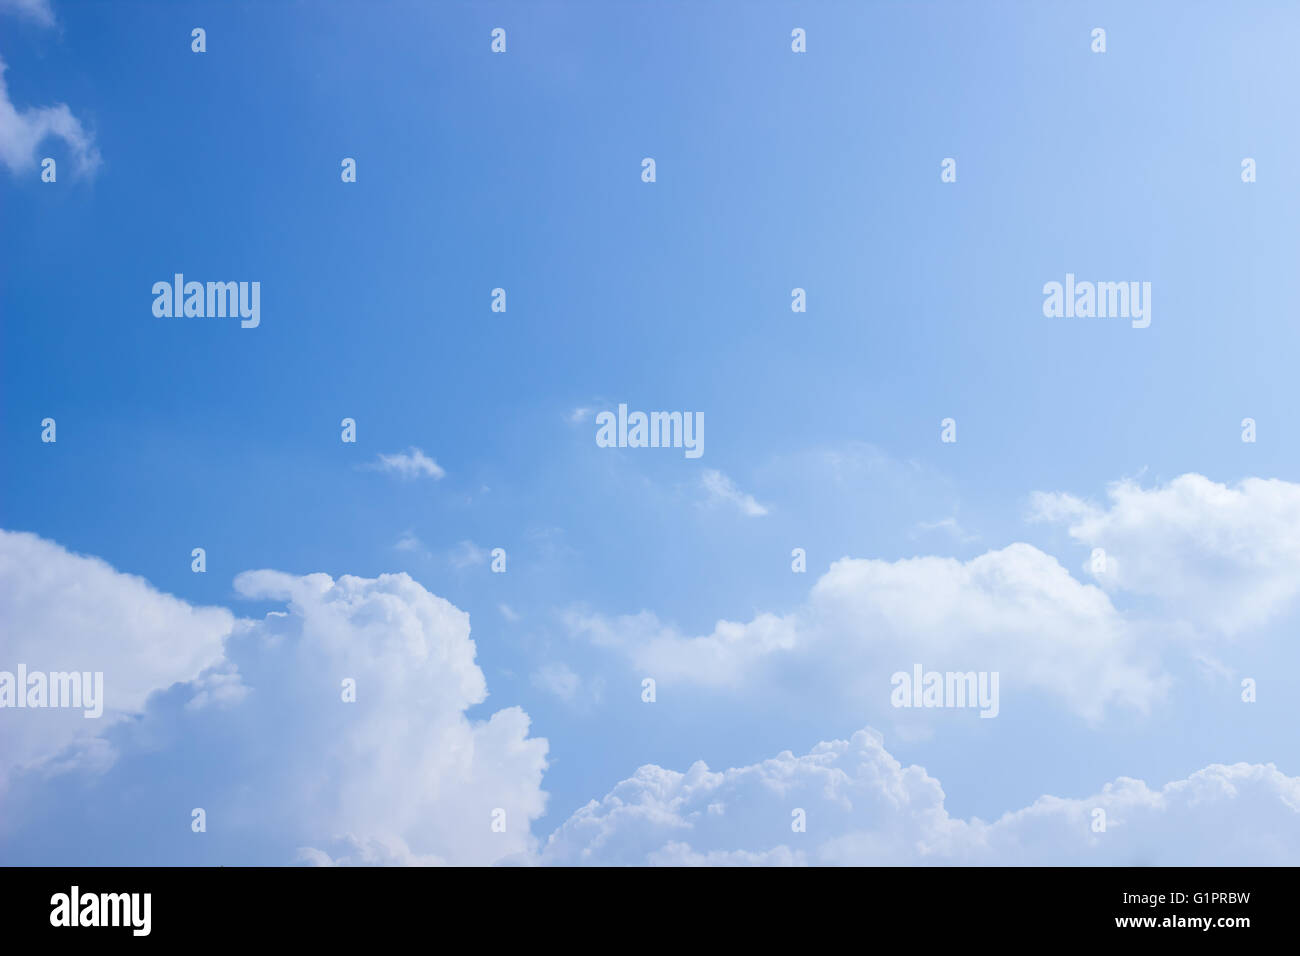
412,463
401,774
22,131
862,807
721,489
68,612
398,775
1226,555
1016,611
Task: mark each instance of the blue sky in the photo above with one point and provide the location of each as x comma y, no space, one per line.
775,170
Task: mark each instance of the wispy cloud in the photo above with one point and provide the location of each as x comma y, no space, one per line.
38,11
720,488
950,525
412,463
410,543
558,679
22,131
467,554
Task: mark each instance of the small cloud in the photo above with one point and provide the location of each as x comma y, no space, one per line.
412,463
579,415
408,543
721,488
508,613
467,554
38,11
557,679
22,131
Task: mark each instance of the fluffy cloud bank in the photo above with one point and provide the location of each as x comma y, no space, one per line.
1016,611
401,775
66,612
862,807
1226,555
1208,554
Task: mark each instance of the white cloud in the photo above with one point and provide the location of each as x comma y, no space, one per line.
1229,556
579,415
863,807
1016,611
720,488
412,463
369,851
38,11
67,612
401,774
218,687
22,131
509,613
